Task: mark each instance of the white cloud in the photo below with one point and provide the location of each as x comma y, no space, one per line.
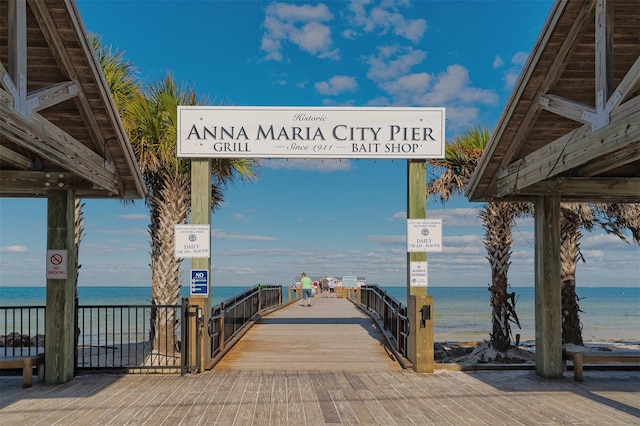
392,62
497,62
391,69
134,216
302,26
337,85
241,217
399,215
221,235
513,73
393,240
384,18
519,59
14,249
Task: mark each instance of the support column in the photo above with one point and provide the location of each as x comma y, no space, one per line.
416,209
60,312
421,319
548,298
201,215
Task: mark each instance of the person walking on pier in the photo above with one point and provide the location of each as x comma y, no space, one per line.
305,285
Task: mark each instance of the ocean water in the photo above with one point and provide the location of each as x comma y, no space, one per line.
609,314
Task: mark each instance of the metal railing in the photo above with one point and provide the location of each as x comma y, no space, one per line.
391,313
145,337
234,316
22,330
138,337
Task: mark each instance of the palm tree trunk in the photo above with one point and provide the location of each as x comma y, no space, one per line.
570,254
169,206
78,235
497,221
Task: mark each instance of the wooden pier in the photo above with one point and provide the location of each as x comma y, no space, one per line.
330,335
323,365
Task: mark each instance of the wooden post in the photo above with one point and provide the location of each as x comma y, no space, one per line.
416,209
60,313
548,298
201,215
421,353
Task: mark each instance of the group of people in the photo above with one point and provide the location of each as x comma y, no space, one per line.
326,285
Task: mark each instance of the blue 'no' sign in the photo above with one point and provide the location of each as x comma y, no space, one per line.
199,282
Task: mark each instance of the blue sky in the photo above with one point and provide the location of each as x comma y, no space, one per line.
338,217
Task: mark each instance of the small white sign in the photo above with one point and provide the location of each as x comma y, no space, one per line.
57,264
419,274
424,235
192,241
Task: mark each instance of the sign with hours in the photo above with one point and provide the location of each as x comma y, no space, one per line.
192,241
424,235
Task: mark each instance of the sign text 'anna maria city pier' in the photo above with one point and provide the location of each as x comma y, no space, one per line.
310,132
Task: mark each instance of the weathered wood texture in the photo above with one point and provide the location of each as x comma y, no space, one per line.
26,363
548,299
574,113
60,313
292,397
331,334
598,357
58,122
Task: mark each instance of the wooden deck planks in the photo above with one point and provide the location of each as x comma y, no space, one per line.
321,397
319,366
331,335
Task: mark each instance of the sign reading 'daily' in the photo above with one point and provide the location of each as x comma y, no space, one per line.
310,132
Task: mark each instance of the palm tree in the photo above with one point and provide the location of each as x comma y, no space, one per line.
461,158
151,120
574,216
149,115
614,219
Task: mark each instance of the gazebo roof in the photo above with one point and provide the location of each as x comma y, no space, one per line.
572,124
59,127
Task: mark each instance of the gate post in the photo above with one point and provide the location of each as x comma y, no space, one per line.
421,333
201,215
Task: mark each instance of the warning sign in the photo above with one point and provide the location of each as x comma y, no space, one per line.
57,264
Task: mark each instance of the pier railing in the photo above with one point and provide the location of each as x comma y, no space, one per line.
232,318
141,337
21,330
391,314
133,338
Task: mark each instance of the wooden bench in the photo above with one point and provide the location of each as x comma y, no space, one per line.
26,363
579,358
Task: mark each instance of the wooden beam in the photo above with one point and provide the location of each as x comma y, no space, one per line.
548,300
17,49
14,183
553,74
604,53
6,82
589,189
551,77
59,50
15,159
571,151
52,95
564,107
50,142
